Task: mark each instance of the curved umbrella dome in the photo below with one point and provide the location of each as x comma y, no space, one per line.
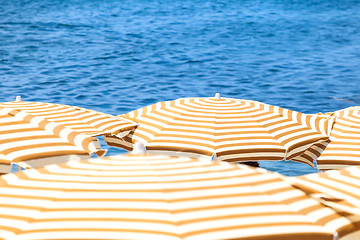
338,189
33,134
82,120
160,197
343,148
32,141
224,128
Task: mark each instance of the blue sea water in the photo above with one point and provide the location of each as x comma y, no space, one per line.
116,56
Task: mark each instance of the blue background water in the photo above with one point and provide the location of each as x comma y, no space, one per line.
116,56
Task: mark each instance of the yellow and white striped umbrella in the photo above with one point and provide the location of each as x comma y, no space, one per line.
223,128
33,134
32,141
339,189
89,122
343,148
161,197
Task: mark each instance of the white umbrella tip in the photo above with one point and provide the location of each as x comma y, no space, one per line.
138,148
217,96
18,99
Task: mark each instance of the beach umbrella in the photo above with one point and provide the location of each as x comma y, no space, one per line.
343,148
224,129
36,134
160,197
82,120
339,189
32,141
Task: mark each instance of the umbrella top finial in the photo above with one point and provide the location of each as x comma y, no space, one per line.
138,148
217,96
18,99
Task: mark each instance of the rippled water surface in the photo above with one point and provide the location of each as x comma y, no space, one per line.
116,56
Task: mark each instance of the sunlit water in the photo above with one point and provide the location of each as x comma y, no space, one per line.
117,56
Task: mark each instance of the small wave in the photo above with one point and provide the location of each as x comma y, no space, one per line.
343,100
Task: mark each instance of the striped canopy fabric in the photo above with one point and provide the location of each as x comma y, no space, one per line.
89,122
343,148
161,197
32,141
339,189
224,129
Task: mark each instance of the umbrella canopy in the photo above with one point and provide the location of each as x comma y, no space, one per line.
160,197
33,134
89,122
343,148
223,128
339,189
32,141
